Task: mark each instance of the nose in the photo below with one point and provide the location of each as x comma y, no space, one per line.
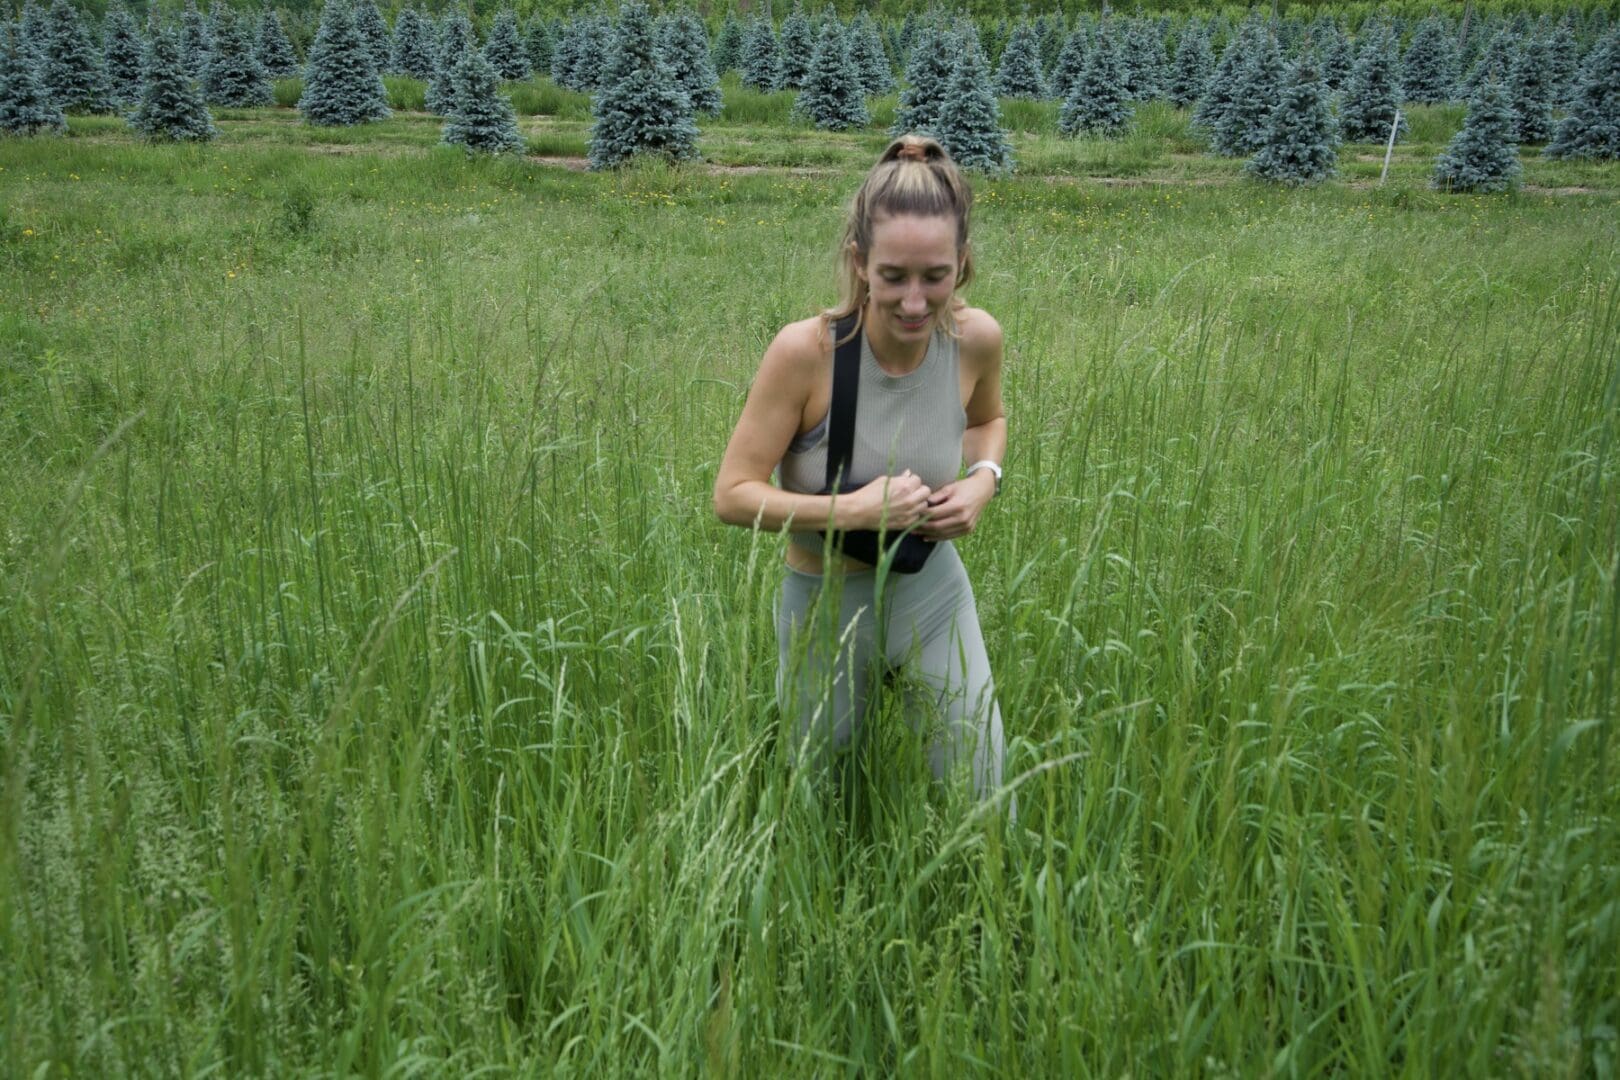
914,303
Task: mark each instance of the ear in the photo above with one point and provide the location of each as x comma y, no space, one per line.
858,262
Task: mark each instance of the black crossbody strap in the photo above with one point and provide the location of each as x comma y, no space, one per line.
846,391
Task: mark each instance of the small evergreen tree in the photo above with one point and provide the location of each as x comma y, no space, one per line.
504,50
685,48
1337,57
537,44
276,54
1482,156
171,108
564,46
482,120
1242,129
1020,71
1561,61
760,60
831,97
728,45
969,121
25,107
641,109
1195,63
413,49
1142,60
455,39
121,54
1592,128
235,78
1071,62
341,86
1302,140
593,51
368,23
195,41
1053,32
1530,91
1492,63
1097,103
1373,93
1220,92
866,51
72,73
796,46
928,75
1429,69
33,31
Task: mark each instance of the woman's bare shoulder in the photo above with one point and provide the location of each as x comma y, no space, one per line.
797,352
981,336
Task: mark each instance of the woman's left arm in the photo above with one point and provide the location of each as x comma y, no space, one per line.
955,507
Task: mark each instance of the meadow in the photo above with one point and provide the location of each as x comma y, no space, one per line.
379,694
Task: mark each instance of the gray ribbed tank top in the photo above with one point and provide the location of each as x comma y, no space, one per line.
913,421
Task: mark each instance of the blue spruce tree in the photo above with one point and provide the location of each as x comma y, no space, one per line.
1020,71
928,76
1482,156
481,120
831,97
1530,91
1302,140
195,41
564,45
72,73
1195,62
1429,69
593,52
1219,99
25,107
1097,103
1333,49
969,121
32,33
504,50
1492,62
455,39
728,45
276,54
368,23
413,46
121,53
760,62
685,49
1071,62
171,108
1562,55
1592,128
796,46
537,44
1142,56
866,50
341,87
641,110
1242,130
1373,94
234,77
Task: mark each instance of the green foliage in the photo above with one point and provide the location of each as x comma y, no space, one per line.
1071,61
928,74
195,41
795,49
641,109
276,53
72,72
373,31
866,52
121,51
1020,72
1097,103
969,120
25,107
1194,66
404,93
1592,128
728,44
1302,140
760,58
455,39
234,77
832,95
1372,96
1241,129
684,46
482,120
504,50
545,98
413,46
1142,59
1483,156
538,44
1429,68
341,86
171,108
1531,90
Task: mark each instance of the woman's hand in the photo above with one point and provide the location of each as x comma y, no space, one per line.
954,509
889,502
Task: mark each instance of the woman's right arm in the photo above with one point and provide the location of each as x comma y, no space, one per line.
743,492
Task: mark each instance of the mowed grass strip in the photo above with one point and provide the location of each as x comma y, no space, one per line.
378,692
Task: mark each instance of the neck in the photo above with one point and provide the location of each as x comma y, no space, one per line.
895,357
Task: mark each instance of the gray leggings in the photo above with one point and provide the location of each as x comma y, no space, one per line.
924,625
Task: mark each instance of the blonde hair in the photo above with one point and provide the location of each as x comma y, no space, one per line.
914,176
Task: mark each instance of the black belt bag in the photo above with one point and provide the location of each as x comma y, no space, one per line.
908,550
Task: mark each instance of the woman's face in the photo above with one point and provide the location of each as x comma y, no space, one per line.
911,273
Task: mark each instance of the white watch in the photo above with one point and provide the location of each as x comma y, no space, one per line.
995,470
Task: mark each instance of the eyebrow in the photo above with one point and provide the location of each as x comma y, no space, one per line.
926,269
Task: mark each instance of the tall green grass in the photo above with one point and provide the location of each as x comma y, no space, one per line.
378,694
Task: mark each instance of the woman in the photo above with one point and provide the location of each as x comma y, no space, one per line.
929,399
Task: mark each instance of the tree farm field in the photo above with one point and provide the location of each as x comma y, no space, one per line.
379,694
